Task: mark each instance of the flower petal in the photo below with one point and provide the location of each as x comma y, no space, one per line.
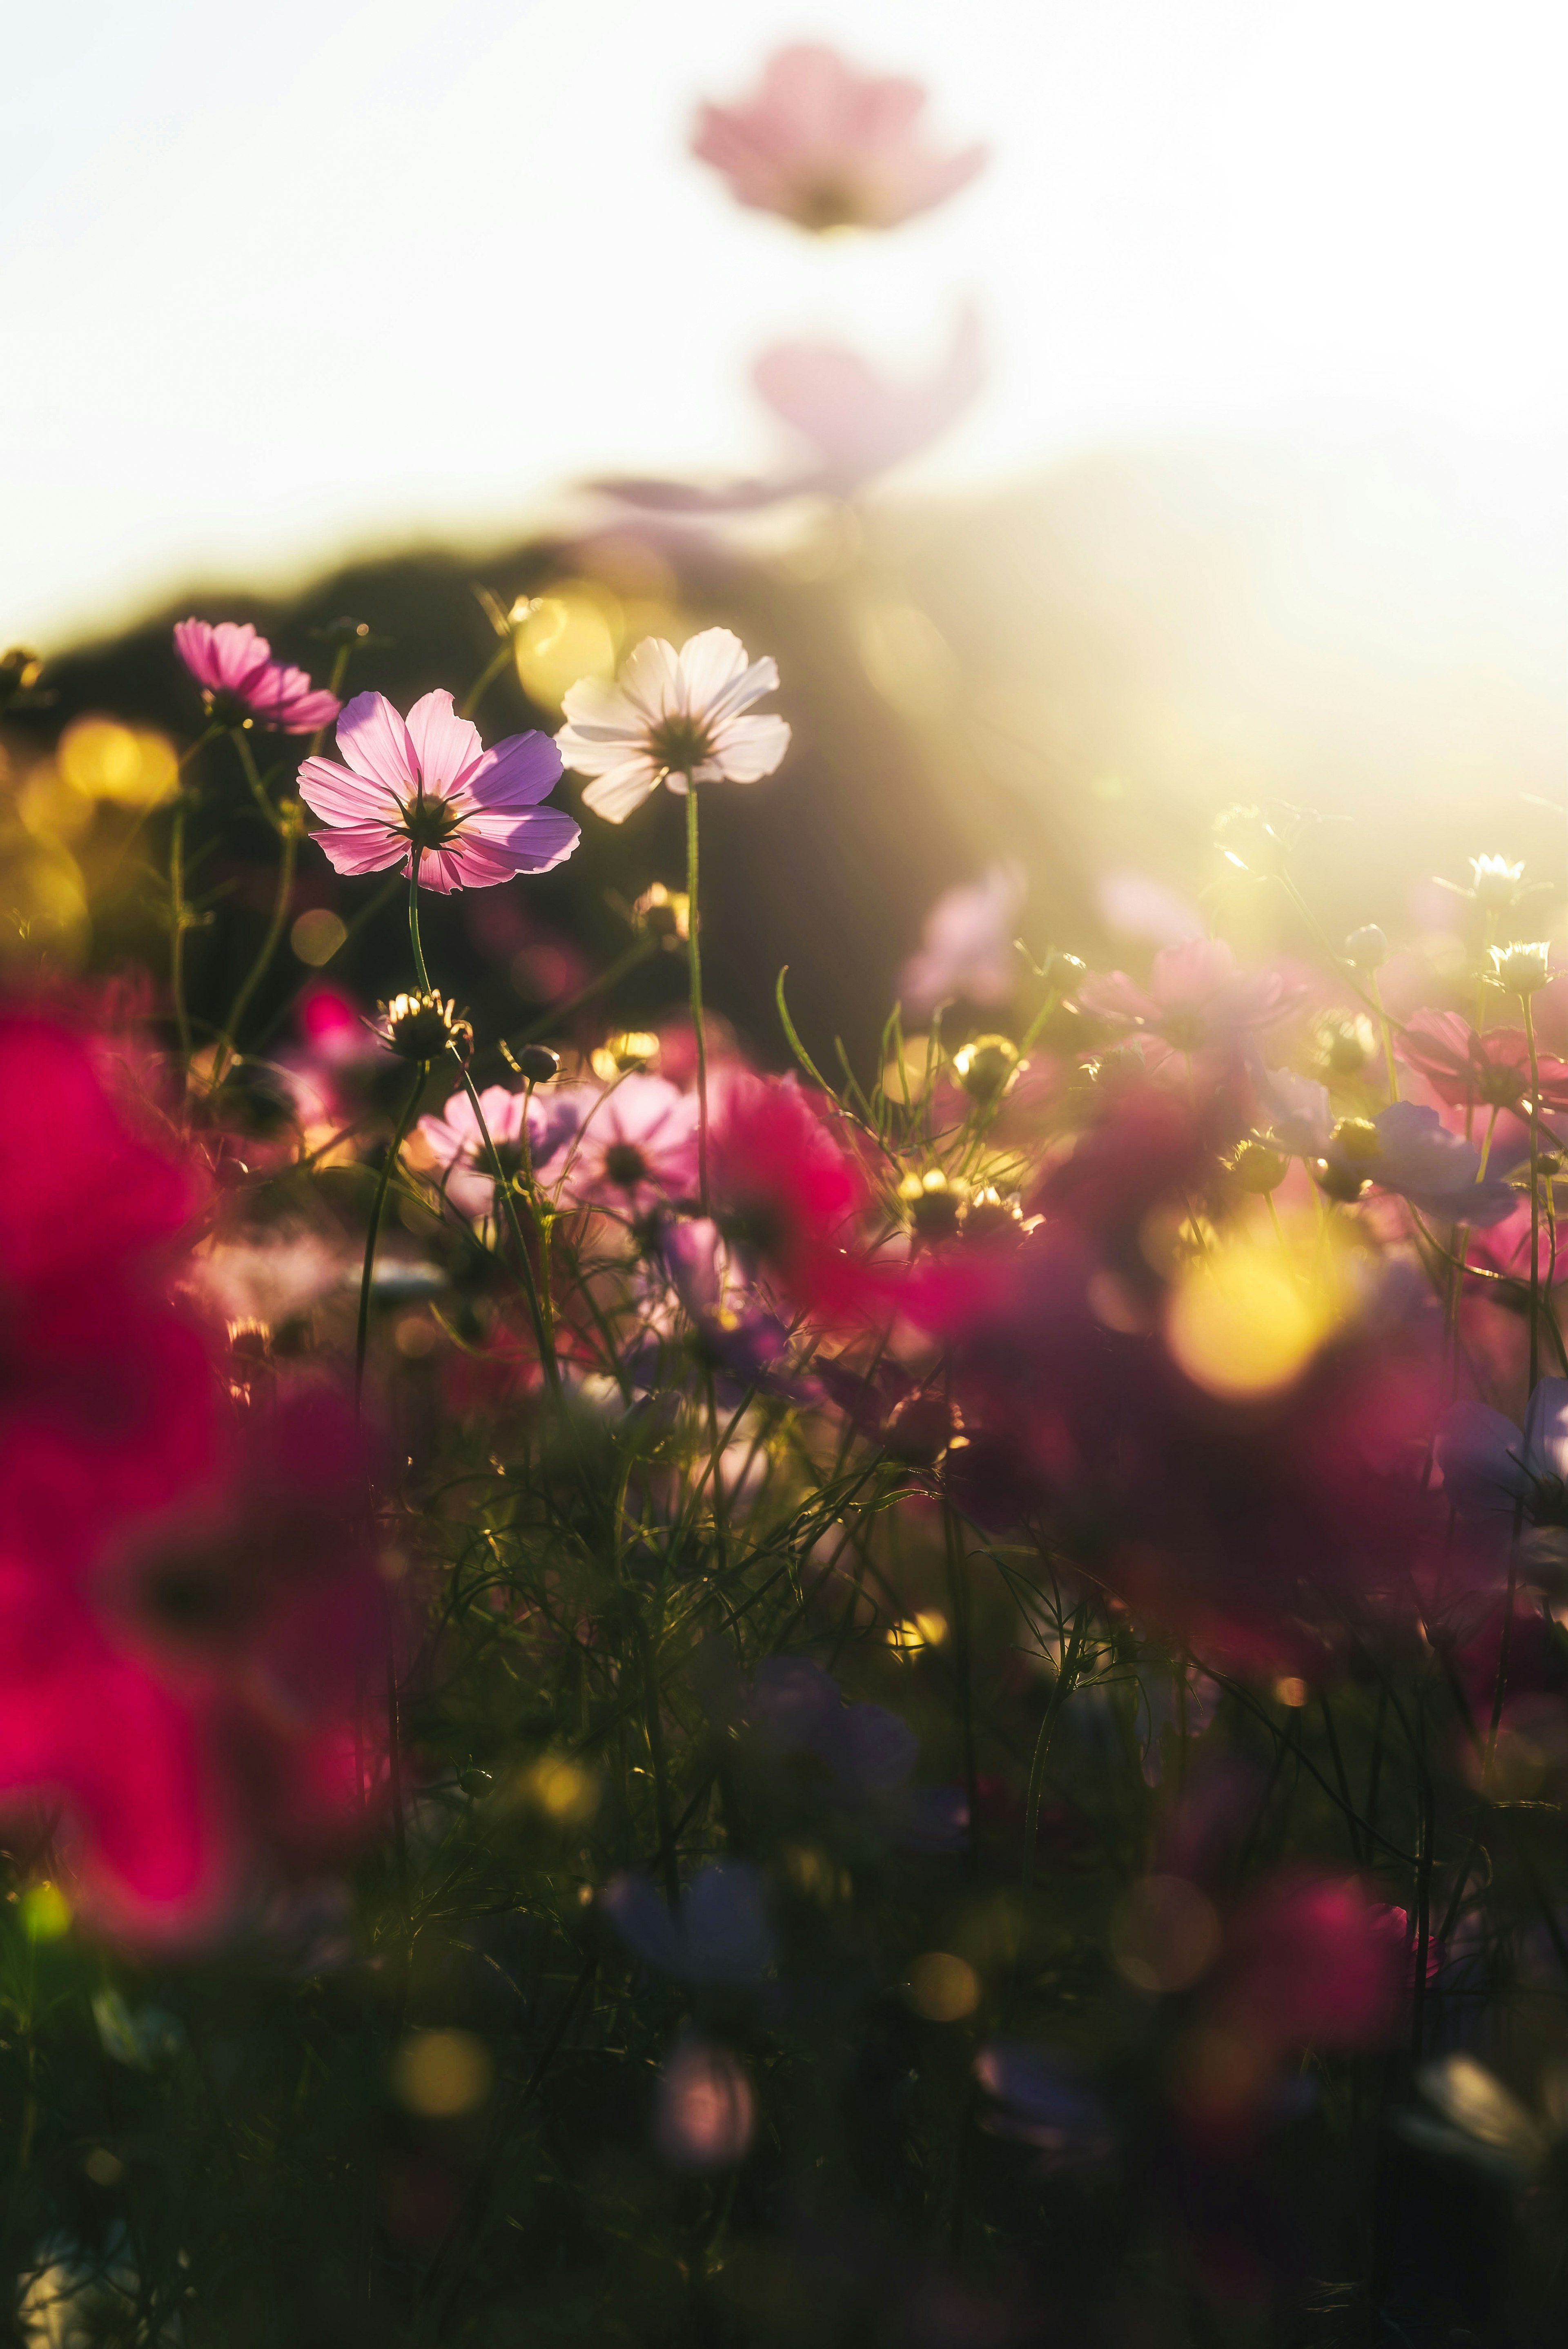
1546,1429
362,847
339,796
746,748
651,681
531,840
621,790
375,742
708,665
446,745
1481,1454
518,772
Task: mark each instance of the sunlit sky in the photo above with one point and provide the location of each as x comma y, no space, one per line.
282,283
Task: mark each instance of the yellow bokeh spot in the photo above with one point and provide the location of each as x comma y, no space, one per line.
574,632
440,2074
317,934
51,808
131,767
925,1629
1245,1319
942,1987
563,1790
46,1912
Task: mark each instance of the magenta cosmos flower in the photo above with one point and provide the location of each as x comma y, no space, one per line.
674,718
826,147
633,1143
426,791
239,680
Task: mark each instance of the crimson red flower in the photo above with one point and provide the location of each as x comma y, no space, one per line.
185,1599
1493,1068
787,1194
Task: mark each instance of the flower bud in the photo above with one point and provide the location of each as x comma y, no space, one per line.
1063,971
1522,970
1357,1138
535,1063
1494,882
1368,947
934,1203
989,1217
661,913
1342,1044
423,1028
920,1431
1258,1169
985,1068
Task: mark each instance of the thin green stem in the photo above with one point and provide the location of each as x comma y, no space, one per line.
487,677
694,962
179,922
269,946
421,974
378,1209
258,789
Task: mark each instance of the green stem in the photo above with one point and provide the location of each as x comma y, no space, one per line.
178,923
269,946
694,958
258,789
485,680
1388,1039
543,1337
378,1209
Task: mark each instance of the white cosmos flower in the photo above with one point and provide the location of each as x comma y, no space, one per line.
674,718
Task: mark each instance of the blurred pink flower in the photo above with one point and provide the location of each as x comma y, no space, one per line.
1493,1069
1196,1000
428,791
674,718
628,1145
966,948
857,420
239,680
826,147
705,2110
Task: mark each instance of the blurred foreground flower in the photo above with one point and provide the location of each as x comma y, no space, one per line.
674,718
426,796
183,1606
705,2108
1505,1480
241,684
721,1933
826,147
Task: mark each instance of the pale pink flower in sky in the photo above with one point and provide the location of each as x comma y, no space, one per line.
858,421
429,790
674,718
826,147
239,678
967,947
633,1144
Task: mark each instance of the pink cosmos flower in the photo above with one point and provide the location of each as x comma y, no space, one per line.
966,948
672,719
857,420
1196,1000
633,1144
239,678
426,792
454,1144
1493,1069
826,147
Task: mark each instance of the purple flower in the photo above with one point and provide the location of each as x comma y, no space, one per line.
868,1753
238,679
425,794
720,1934
1038,2096
1497,1475
966,948
455,1145
826,147
1404,1148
